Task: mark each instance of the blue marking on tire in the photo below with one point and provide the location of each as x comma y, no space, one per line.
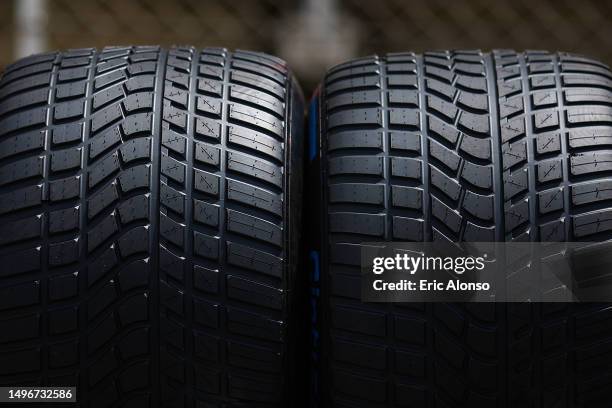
314,257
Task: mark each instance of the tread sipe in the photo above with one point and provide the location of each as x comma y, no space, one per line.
148,226
461,146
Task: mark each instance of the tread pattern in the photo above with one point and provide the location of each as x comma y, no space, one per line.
223,132
553,110
409,157
442,146
143,226
75,187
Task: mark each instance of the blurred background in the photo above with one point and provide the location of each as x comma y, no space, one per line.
310,34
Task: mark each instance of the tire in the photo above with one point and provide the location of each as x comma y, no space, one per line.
460,146
149,226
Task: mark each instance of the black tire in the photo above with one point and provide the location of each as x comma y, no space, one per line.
149,226
461,146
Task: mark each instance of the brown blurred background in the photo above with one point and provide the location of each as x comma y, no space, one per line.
310,34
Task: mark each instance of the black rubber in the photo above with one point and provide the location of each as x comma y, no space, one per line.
461,146
150,207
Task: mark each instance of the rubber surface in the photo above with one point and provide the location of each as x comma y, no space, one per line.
149,213
462,146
